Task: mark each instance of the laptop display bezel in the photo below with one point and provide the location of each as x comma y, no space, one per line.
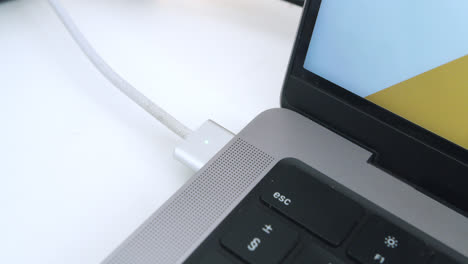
408,151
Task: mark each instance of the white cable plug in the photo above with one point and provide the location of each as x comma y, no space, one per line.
202,145
198,147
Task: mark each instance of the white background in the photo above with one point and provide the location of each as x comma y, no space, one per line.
80,165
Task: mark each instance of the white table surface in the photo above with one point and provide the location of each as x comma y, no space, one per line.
81,166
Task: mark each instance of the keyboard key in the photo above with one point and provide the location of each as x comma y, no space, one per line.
316,255
380,242
312,204
256,236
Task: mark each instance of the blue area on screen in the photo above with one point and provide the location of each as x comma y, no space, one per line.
367,45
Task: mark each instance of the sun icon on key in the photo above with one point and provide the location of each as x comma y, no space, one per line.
391,242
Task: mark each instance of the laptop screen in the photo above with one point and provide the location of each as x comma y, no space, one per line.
409,57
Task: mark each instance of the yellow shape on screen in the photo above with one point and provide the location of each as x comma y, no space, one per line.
436,100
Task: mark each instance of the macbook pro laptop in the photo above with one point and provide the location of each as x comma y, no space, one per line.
365,163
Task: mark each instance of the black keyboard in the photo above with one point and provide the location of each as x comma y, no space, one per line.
297,215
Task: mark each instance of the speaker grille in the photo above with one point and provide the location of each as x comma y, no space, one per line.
171,231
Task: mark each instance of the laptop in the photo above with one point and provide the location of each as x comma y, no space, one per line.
365,163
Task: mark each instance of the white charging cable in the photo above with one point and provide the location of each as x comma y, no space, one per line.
199,145
153,109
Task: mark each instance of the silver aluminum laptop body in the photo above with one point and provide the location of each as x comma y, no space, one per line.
174,231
